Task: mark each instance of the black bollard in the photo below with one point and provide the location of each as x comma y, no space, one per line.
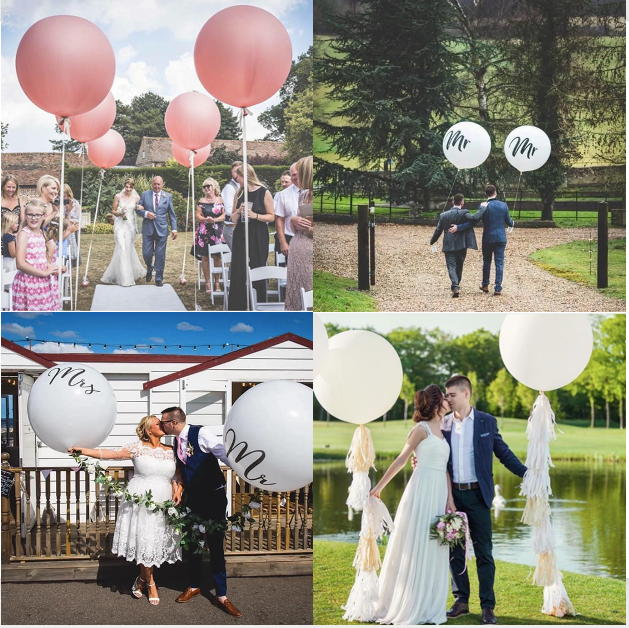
603,252
363,247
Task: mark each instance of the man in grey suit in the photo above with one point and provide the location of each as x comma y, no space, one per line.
155,228
455,245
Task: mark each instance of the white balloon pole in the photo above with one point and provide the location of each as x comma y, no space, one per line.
78,237
196,306
536,488
89,252
185,242
66,131
244,113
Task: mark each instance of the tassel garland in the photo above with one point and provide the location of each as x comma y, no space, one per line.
360,458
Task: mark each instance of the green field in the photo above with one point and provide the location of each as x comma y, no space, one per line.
598,601
573,261
578,441
338,294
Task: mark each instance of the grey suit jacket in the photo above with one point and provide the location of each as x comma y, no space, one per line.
454,241
159,226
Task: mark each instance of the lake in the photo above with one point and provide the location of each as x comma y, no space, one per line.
588,509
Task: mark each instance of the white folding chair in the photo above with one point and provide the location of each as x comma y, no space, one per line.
217,249
227,260
66,283
280,259
306,300
7,290
265,273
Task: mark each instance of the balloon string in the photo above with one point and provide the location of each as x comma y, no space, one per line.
243,115
516,192
451,188
66,131
89,253
196,305
78,243
185,240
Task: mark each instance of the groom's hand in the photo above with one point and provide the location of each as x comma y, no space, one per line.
453,229
174,235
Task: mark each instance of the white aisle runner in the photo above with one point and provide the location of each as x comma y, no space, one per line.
136,299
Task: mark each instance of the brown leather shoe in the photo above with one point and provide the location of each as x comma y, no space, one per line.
188,594
458,610
488,616
484,288
227,606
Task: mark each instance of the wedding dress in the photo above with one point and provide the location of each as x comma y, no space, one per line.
414,580
143,535
125,267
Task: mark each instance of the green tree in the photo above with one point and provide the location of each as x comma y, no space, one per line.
72,146
230,127
298,125
613,362
500,393
407,395
479,352
478,390
392,72
5,131
299,80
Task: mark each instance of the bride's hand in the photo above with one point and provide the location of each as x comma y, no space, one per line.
374,492
450,507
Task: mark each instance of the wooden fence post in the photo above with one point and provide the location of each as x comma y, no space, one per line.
603,254
363,247
372,245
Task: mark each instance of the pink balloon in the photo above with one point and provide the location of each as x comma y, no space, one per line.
65,65
192,120
95,123
182,155
242,55
107,151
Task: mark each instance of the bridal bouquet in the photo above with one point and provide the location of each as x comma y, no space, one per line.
451,530
122,213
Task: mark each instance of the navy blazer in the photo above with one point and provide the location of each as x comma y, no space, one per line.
487,442
495,215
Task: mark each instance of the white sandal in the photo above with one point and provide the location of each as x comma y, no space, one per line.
153,600
136,589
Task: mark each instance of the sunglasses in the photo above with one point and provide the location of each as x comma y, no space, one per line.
207,187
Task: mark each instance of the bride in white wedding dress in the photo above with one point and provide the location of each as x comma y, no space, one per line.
125,267
414,580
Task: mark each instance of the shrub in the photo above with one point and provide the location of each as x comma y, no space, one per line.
101,228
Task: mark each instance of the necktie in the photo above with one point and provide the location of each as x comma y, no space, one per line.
183,456
156,201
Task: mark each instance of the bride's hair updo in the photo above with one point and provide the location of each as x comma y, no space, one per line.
426,402
142,429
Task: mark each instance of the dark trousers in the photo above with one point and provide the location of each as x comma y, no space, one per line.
479,517
278,249
214,543
497,249
454,264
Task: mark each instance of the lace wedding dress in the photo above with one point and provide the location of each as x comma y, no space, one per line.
142,535
125,267
414,580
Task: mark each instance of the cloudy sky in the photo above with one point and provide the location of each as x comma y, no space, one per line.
61,333
153,42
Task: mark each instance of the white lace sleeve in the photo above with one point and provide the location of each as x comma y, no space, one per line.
133,449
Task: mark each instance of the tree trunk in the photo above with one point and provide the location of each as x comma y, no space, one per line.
591,412
620,411
405,413
384,420
328,418
481,94
548,203
606,414
502,415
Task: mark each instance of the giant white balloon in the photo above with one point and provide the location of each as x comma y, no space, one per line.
546,351
527,148
362,377
320,345
72,404
268,436
466,145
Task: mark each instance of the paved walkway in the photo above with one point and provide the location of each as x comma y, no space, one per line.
409,278
263,601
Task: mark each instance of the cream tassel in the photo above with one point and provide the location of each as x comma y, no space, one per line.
556,600
360,459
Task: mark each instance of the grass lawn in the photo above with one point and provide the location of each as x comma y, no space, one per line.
597,600
578,441
102,251
338,294
572,261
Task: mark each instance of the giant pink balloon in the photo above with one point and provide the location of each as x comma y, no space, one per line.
192,120
182,155
95,123
65,65
242,55
107,151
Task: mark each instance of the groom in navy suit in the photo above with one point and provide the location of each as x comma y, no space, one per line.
156,207
474,439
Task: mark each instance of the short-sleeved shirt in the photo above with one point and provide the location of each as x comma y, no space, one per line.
286,203
7,238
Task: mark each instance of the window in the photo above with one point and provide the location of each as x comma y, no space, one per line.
143,154
9,411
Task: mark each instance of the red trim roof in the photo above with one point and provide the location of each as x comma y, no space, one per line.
223,359
28,354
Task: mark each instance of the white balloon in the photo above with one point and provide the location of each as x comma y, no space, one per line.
527,148
268,436
362,377
320,340
466,145
546,351
72,404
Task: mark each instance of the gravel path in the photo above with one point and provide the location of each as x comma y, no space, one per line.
409,278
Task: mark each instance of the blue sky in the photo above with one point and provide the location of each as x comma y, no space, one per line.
153,42
60,331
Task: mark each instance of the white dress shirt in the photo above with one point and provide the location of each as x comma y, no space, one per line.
462,443
228,193
208,443
286,203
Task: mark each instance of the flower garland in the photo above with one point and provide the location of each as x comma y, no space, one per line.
190,526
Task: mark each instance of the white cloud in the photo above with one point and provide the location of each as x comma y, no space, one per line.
128,351
65,334
30,315
63,347
125,54
184,326
182,77
241,327
157,340
17,329
137,80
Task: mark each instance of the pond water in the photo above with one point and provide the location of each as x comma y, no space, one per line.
588,509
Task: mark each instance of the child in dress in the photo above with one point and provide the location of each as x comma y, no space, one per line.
9,229
35,284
